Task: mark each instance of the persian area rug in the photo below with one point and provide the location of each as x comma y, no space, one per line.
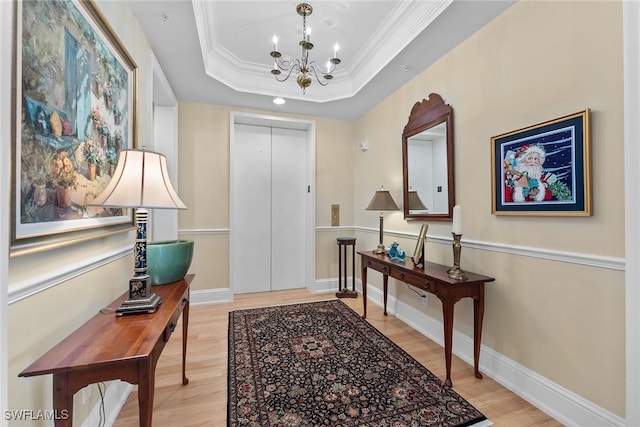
321,364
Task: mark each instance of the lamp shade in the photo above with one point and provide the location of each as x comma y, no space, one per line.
141,180
415,204
382,201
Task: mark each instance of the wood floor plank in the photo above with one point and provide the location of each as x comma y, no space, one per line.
203,401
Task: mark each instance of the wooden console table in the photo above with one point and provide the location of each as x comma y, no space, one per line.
109,347
433,278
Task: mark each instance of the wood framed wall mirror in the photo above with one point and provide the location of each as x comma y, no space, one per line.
427,161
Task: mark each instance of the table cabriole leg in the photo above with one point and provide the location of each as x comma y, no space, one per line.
364,288
385,290
447,318
353,268
185,333
478,312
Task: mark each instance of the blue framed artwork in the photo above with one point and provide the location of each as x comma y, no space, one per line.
74,110
543,169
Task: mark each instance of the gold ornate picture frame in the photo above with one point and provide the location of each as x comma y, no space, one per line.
544,169
74,110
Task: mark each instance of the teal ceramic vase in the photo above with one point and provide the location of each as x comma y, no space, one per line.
168,261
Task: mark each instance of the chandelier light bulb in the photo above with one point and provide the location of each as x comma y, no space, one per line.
275,43
328,67
336,47
308,34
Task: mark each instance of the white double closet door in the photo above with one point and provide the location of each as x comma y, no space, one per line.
269,192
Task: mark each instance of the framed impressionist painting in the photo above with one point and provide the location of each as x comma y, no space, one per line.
74,110
543,169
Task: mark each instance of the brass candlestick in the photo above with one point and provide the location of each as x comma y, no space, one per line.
455,272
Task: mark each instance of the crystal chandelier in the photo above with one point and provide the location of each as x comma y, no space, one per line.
302,66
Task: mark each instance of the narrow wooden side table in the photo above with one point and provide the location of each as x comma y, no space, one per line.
432,278
110,347
343,242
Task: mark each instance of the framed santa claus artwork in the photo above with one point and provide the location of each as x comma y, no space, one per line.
543,169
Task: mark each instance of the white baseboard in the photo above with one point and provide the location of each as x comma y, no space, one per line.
224,295
551,398
323,286
115,397
211,296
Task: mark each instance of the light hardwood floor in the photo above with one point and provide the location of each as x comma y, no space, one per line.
203,401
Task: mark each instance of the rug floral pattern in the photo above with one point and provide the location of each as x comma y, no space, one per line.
320,364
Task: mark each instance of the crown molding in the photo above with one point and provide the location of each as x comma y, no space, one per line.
404,24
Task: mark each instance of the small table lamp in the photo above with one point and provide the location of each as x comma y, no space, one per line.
140,181
382,201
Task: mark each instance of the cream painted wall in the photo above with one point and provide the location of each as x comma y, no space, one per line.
204,186
535,62
38,322
334,179
562,320
557,318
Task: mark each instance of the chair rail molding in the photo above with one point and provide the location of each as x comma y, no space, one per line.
612,263
33,285
201,231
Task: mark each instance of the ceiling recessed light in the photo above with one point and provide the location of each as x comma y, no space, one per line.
164,16
342,6
278,101
329,22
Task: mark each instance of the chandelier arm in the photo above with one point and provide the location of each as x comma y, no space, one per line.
288,74
314,64
331,69
287,63
315,73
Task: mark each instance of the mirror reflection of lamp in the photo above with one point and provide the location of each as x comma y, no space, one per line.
415,204
140,181
382,201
